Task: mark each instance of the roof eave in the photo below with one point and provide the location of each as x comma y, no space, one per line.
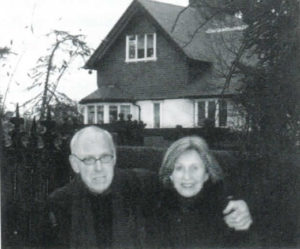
225,95
131,100
104,100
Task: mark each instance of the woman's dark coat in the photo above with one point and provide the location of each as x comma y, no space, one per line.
195,222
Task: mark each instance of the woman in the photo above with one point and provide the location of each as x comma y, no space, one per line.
189,212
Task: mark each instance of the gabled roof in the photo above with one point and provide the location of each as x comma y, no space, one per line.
195,34
188,33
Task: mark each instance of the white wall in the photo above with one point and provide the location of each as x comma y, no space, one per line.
178,112
173,112
146,112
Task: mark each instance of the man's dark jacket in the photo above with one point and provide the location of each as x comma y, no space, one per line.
72,219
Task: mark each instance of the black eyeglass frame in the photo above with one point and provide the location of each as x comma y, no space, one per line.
92,160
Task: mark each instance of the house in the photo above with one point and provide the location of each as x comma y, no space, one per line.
166,65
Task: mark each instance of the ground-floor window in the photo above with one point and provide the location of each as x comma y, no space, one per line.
106,113
222,112
125,109
213,110
201,113
156,111
113,113
95,114
100,114
91,114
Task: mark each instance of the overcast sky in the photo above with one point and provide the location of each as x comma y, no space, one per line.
25,22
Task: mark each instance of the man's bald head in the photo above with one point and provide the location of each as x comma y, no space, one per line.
90,135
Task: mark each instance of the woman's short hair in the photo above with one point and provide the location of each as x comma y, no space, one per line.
185,144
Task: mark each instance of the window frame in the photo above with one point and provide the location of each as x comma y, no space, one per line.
145,58
116,108
120,110
93,117
206,111
160,114
98,106
219,112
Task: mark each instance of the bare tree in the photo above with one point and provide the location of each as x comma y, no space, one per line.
51,67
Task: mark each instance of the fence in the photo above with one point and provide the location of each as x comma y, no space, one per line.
34,163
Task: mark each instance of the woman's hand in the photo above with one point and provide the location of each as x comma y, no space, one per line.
237,215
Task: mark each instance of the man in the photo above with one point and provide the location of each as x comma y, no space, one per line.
98,208
101,207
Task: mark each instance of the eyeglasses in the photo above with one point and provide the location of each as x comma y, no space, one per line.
105,159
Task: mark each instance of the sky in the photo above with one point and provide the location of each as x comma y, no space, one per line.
24,25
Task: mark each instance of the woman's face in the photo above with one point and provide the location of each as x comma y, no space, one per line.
189,174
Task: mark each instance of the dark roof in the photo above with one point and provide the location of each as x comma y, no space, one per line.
188,33
107,94
148,92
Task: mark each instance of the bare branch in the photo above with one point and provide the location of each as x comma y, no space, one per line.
200,27
232,67
32,99
177,18
11,77
54,95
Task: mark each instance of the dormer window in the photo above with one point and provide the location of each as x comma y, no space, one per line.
140,47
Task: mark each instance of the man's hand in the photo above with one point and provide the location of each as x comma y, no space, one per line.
237,215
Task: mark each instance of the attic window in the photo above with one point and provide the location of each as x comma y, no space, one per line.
140,47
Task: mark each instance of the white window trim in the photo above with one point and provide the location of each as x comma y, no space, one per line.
153,58
85,114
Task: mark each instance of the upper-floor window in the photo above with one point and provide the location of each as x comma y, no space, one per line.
140,47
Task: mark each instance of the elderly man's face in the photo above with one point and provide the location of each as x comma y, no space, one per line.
94,160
